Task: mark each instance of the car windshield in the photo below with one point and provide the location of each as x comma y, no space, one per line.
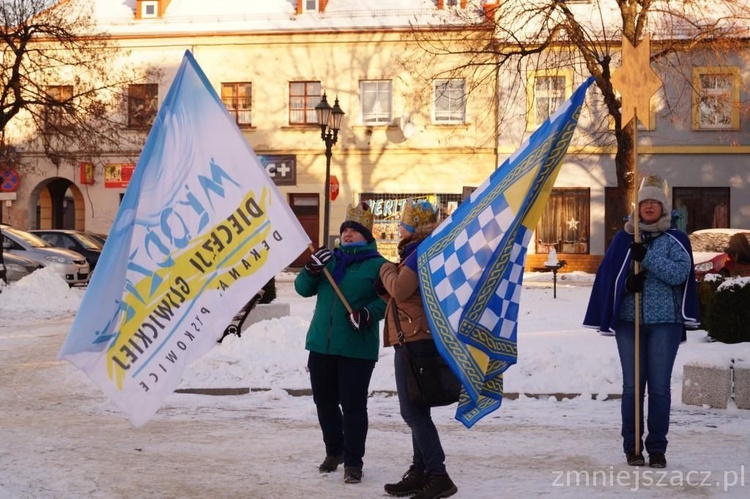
28,238
87,242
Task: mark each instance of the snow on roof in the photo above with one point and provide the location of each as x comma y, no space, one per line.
196,16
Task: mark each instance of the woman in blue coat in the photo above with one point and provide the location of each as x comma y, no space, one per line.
666,283
344,346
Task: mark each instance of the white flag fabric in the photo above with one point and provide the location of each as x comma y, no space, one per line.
201,228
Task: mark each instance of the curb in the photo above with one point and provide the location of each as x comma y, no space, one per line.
306,392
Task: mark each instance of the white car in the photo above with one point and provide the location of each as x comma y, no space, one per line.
72,266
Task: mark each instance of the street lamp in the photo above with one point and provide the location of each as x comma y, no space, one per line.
329,119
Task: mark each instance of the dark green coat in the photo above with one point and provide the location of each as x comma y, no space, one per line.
330,332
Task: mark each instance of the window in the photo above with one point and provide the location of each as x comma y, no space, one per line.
451,4
564,225
716,99
149,9
376,102
701,207
303,97
545,93
386,208
142,104
303,6
238,97
450,101
56,116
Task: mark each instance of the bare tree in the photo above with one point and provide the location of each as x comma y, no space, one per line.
62,84
529,35
62,81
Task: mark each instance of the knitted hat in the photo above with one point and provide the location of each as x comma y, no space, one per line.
359,218
655,187
416,214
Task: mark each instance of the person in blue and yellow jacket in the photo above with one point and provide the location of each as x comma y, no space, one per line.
668,305
344,346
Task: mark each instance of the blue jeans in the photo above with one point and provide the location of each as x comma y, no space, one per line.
658,349
340,388
428,452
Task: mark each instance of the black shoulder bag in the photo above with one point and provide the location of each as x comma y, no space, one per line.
430,380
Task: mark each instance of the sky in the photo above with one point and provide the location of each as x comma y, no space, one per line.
535,445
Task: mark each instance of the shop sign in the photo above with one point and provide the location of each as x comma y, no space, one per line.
281,168
117,175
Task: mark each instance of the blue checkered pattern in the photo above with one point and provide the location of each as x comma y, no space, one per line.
458,269
471,266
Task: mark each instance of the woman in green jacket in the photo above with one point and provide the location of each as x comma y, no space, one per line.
344,346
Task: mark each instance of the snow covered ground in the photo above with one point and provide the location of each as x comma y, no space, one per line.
60,437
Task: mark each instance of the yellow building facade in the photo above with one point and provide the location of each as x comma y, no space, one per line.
405,132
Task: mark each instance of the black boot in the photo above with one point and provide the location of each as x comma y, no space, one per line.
411,483
330,463
352,474
437,486
635,459
657,460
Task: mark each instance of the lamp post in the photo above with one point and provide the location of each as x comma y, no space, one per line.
329,119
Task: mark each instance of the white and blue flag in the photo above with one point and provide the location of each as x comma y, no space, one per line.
471,266
201,228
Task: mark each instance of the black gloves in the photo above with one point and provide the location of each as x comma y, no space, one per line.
638,251
360,319
634,282
318,260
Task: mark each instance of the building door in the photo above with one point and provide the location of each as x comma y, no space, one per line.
60,206
306,207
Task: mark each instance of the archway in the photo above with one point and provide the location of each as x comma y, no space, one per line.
59,205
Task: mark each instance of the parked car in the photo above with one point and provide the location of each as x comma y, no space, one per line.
17,267
72,266
721,251
77,241
101,238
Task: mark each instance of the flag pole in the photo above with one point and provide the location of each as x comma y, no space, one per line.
334,285
637,297
637,83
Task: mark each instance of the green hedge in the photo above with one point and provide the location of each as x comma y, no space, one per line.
725,312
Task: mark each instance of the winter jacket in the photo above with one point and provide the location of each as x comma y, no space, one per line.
402,284
330,332
671,296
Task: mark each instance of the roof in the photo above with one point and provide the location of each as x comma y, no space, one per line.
200,16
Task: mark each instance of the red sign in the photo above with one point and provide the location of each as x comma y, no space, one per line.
87,173
334,188
9,180
118,175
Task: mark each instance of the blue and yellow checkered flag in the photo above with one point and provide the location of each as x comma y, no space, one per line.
471,266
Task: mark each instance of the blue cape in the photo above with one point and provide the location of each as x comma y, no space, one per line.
609,285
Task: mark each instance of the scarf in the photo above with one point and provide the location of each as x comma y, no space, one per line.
344,259
661,225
